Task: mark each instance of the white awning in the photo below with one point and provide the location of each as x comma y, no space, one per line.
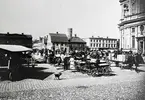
39,46
14,48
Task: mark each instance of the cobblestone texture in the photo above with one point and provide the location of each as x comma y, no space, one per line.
113,91
125,85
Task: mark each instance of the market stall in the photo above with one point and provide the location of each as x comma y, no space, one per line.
12,57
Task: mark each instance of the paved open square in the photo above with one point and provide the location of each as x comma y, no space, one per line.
124,84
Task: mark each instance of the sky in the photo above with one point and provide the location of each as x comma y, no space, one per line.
40,17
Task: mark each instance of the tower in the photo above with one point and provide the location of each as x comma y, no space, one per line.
70,32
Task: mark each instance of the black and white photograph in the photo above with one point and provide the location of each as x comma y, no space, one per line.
72,49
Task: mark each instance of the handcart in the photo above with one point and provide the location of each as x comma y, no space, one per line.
101,68
93,67
124,60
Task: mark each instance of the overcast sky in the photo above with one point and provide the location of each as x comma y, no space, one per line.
40,17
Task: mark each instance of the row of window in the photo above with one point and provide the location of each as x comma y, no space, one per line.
59,44
141,28
103,45
108,41
133,41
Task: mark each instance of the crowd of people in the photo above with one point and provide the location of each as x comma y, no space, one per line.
68,60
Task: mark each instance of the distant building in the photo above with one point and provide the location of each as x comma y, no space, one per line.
95,43
77,43
16,39
131,26
56,41
59,41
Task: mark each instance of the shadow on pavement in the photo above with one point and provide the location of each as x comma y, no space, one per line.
34,73
139,70
111,74
4,74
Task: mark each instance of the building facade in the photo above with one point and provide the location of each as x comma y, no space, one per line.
95,43
75,42
16,39
131,26
63,42
56,41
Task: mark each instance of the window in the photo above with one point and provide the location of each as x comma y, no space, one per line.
94,44
133,2
133,30
99,45
91,44
141,29
91,40
109,45
133,41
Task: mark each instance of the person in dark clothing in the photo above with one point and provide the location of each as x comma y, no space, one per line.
136,60
130,60
66,63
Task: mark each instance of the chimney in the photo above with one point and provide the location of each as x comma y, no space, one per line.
22,33
75,35
70,32
8,33
56,32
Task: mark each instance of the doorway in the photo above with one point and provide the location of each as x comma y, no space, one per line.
141,47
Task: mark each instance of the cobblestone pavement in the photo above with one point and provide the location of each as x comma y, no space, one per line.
113,91
126,84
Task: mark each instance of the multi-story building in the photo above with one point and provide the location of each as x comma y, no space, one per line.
56,41
16,39
132,25
59,41
95,43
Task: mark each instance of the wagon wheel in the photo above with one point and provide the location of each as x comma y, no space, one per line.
94,72
104,70
99,71
108,70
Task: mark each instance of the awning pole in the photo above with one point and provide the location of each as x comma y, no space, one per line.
9,63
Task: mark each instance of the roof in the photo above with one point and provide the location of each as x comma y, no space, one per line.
122,0
77,40
15,35
14,48
57,37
